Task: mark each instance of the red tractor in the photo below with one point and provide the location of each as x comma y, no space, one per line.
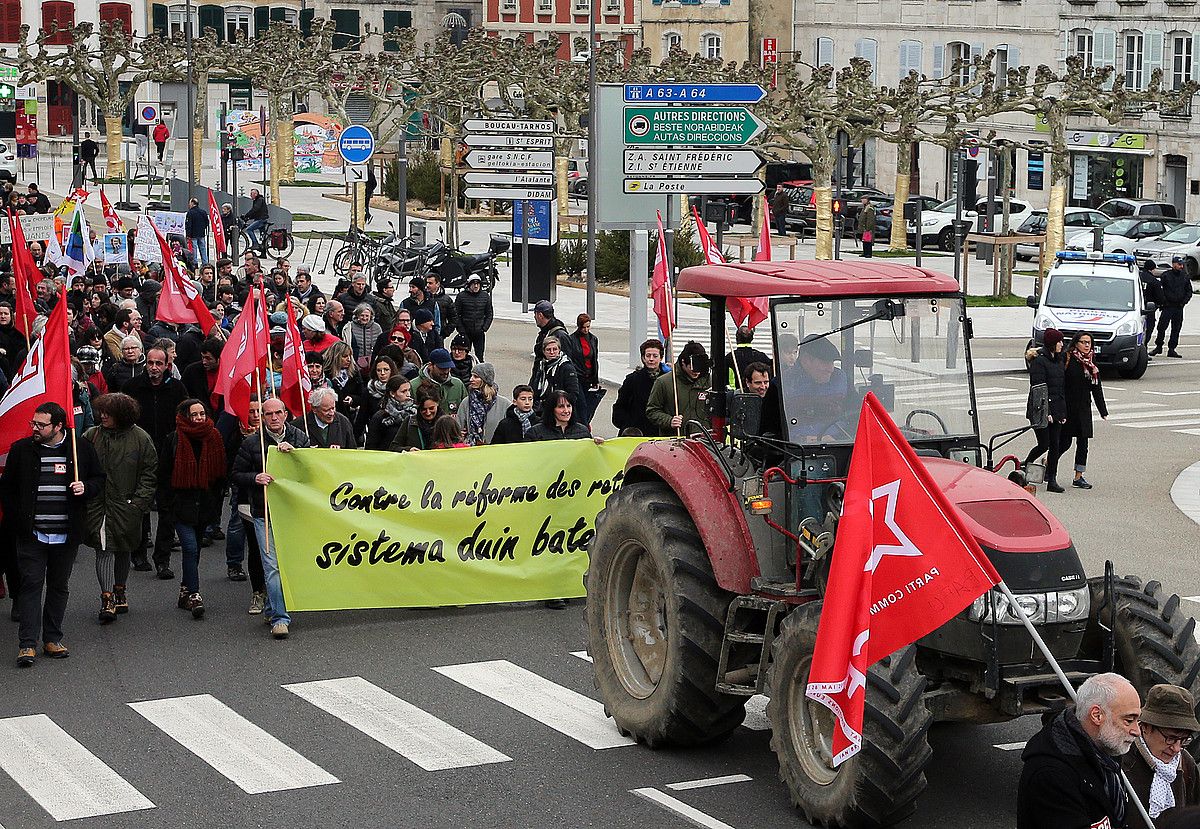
709,565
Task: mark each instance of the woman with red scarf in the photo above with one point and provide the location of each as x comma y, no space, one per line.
191,475
1082,387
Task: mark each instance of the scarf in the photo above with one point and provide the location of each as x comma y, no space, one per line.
1088,363
395,411
376,389
425,427
1070,738
191,472
525,419
477,411
1162,796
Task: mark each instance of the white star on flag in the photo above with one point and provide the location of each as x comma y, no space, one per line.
905,547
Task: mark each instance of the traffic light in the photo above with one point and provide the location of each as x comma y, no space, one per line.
851,153
837,207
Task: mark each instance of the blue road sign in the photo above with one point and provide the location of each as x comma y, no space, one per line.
694,93
356,144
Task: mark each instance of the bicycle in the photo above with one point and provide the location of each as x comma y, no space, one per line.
359,249
275,241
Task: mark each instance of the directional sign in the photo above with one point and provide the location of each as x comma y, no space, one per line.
532,193
356,173
356,144
509,125
682,126
691,162
694,93
512,179
528,142
511,159
694,185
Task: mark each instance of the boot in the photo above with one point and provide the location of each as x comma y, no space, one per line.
183,597
1157,350
196,605
119,599
108,608
1052,486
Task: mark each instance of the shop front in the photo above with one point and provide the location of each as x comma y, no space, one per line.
1106,165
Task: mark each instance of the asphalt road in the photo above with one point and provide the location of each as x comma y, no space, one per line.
497,747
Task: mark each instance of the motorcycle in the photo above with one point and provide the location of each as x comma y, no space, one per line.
454,267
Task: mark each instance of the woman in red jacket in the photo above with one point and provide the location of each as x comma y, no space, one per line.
160,136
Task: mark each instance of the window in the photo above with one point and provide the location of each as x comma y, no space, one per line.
1181,59
116,13
393,20
710,45
10,21
1134,58
1083,46
60,17
910,57
581,7
509,6
824,51
671,40
545,6
868,49
213,17
176,17
612,6
282,14
238,22
345,27
1002,65
1105,48
959,57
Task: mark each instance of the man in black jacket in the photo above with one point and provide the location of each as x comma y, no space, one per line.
88,152
44,495
195,227
551,326
445,304
744,353
1151,292
629,412
1176,293
1072,777
473,313
256,216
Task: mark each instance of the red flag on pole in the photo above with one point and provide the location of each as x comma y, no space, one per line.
295,384
240,358
112,222
903,564
26,276
179,300
712,254
661,288
215,224
45,377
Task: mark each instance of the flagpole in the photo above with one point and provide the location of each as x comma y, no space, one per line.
737,370
299,379
1066,683
262,444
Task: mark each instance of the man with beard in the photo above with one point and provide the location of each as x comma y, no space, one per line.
1072,773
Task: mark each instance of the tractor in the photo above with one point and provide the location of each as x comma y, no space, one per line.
708,568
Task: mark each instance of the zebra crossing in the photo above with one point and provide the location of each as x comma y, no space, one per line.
68,781
1145,412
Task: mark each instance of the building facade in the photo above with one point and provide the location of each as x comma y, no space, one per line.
565,21
718,29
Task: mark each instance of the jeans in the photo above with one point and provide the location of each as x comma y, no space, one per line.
275,609
47,565
1173,317
199,249
235,534
189,543
252,231
254,567
1081,451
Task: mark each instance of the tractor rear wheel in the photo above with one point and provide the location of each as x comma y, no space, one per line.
656,620
1154,641
879,785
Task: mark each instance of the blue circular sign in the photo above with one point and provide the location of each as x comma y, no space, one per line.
356,144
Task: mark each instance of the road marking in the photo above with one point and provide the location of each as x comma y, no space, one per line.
231,744
1010,746
409,731
1125,407
567,712
995,404
582,655
1143,415
691,814
66,779
1187,431
756,714
1162,423
1185,492
705,782
1173,393
953,394
1195,599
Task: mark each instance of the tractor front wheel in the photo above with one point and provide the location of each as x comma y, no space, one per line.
879,785
656,620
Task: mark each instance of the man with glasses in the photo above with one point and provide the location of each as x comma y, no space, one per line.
1161,772
44,496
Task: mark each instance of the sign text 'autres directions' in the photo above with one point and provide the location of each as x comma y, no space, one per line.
682,126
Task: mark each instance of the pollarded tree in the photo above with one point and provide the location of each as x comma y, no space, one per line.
387,79
210,60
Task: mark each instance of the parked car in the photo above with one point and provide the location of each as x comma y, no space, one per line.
1182,240
578,186
1074,219
802,209
1120,208
937,225
1123,235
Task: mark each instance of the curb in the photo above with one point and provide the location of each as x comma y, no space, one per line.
1185,492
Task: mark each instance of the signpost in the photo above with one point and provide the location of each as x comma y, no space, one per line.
509,125
748,186
524,193
356,145
512,178
512,159
528,142
706,126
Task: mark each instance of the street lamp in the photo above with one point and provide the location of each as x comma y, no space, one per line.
191,105
592,208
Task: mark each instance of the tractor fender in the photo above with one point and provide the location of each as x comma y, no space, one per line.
690,470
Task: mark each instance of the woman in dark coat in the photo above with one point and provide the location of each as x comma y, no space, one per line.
586,357
555,372
559,421
191,479
1082,386
417,432
1047,367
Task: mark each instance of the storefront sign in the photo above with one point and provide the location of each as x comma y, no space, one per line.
1037,171
1079,177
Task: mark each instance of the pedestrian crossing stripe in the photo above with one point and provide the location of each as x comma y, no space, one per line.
1162,423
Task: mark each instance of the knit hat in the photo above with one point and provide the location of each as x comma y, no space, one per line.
150,287
418,282
1051,337
87,354
1169,706
278,319
422,316
485,372
460,341
313,322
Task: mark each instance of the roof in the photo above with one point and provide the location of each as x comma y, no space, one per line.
814,278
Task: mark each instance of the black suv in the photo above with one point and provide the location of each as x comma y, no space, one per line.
802,209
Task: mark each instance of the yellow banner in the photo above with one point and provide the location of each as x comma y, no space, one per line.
510,523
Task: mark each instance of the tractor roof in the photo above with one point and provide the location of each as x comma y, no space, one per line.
814,278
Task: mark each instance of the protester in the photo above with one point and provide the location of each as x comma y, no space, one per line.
316,337
384,303
1176,292
743,354
12,343
484,409
678,397
518,419
131,363
200,379
629,412
425,340
195,228
445,314
43,492
417,432
435,376
128,321
369,392
555,372
463,362
586,350
114,520
418,300
305,290
339,362
1081,385
361,333
447,434
160,134
1162,773
559,420
356,294
239,533
756,379
388,420
1071,775
550,326
1047,368
252,482
473,313
190,482
326,427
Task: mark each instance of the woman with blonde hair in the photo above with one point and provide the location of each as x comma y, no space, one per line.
484,407
340,371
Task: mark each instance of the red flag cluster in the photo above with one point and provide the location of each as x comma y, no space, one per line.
662,291
180,301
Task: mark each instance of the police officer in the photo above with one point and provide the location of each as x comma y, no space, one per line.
1176,293
1151,292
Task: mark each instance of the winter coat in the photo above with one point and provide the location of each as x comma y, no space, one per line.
408,436
450,393
350,301
556,328
19,486
491,420
361,339
195,222
1176,288
587,368
558,375
446,311
508,430
866,219
693,394
249,463
425,345
629,412
1049,369
379,434
1080,391
118,373
412,306
1140,771
574,431
385,312
344,390
12,350
473,312
161,133
742,356
340,433
194,507
158,405
130,465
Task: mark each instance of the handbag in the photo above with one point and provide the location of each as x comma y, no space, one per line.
1037,407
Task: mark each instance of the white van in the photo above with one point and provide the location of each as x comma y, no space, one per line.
1100,294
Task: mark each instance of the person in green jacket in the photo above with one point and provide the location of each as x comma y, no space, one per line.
435,376
692,385
114,520
866,226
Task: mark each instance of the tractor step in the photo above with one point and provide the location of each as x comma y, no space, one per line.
751,621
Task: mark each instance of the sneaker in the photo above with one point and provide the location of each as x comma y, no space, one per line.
26,657
108,608
217,535
184,594
55,650
196,605
236,573
120,599
279,630
1175,354
1054,487
141,565
257,601
1157,350
1081,483
165,573
205,541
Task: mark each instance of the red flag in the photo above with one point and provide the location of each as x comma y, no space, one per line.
215,224
295,385
242,355
45,377
903,564
26,276
179,300
661,288
712,253
112,222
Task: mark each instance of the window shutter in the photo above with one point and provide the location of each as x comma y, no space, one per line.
939,60
10,21
1014,57
158,18
213,17
262,19
1152,56
1104,47
824,51
306,19
278,14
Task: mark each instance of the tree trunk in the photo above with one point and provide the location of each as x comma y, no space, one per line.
822,164
560,185
1006,252
286,139
112,143
200,115
1059,174
272,146
899,240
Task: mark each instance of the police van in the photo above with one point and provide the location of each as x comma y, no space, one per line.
1099,294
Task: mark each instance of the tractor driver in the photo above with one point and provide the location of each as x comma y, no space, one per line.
816,394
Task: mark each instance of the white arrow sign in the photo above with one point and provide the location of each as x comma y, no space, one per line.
525,142
520,193
509,125
511,159
508,179
646,162
694,185
356,173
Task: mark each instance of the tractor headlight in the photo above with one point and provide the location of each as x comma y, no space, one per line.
1039,608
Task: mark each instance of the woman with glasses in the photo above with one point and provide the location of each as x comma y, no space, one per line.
1082,384
1162,772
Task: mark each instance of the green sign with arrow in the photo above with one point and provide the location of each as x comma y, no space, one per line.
703,126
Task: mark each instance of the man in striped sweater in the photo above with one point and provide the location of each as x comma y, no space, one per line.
44,494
